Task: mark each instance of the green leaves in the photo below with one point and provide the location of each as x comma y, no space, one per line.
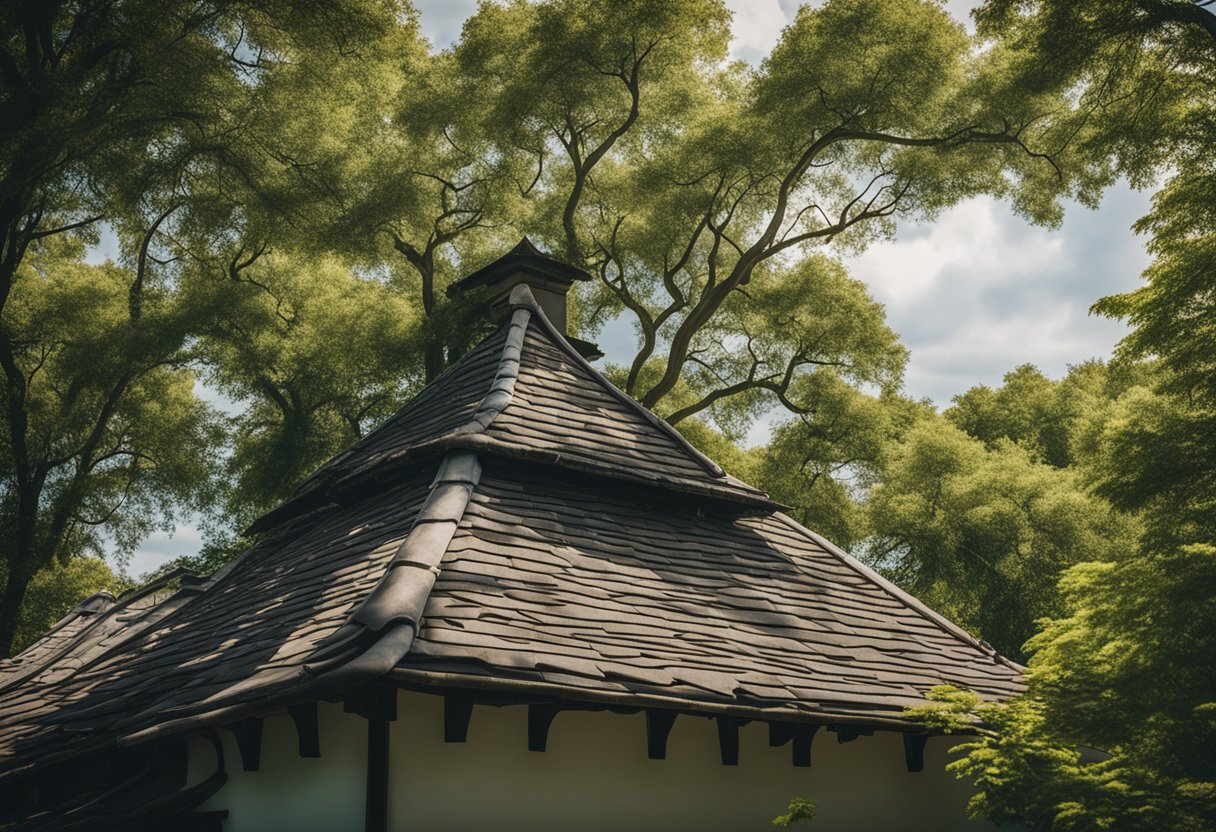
983,535
876,66
318,355
800,809
1128,671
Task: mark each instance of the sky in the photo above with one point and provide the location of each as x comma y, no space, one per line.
973,294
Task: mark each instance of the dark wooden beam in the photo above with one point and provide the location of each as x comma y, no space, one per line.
779,733
803,738
728,739
304,715
848,733
914,751
457,711
248,733
540,717
376,807
658,726
374,702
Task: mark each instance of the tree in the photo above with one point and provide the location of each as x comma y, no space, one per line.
984,535
1144,75
54,591
316,354
113,436
618,136
117,111
1127,668
1127,671
1056,422
1161,455
815,148
824,463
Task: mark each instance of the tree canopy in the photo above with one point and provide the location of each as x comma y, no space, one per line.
288,189
1125,670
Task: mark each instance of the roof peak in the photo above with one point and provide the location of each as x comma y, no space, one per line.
548,277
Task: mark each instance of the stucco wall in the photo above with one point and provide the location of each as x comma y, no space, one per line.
594,776
290,792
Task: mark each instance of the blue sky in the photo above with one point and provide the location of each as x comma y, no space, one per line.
972,294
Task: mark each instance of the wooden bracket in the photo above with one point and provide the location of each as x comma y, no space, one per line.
304,716
375,818
540,717
248,733
728,739
914,751
848,733
658,726
803,738
457,711
779,733
378,705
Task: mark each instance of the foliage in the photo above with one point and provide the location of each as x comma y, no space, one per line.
112,434
54,591
823,462
1162,451
1052,420
800,809
318,354
982,535
1127,670
144,115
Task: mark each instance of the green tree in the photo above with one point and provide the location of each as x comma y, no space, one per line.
1118,727
618,136
983,535
824,462
1127,668
812,149
113,436
126,112
55,590
316,354
1054,421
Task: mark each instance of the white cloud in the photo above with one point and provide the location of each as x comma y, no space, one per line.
162,547
979,291
756,27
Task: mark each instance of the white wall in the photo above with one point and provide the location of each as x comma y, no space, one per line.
291,792
594,776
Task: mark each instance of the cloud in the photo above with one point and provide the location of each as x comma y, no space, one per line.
979,291
441,20
162,547
756,27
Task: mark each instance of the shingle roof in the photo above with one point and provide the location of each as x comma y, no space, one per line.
520,525
557,582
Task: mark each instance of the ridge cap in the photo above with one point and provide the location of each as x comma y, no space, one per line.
502,388
376,635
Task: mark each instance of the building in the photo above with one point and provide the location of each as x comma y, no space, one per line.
523,603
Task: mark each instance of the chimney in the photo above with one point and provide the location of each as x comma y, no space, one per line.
548,278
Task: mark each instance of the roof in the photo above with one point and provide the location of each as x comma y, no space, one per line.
521,525
526,258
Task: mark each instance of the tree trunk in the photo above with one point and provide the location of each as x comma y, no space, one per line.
10,608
